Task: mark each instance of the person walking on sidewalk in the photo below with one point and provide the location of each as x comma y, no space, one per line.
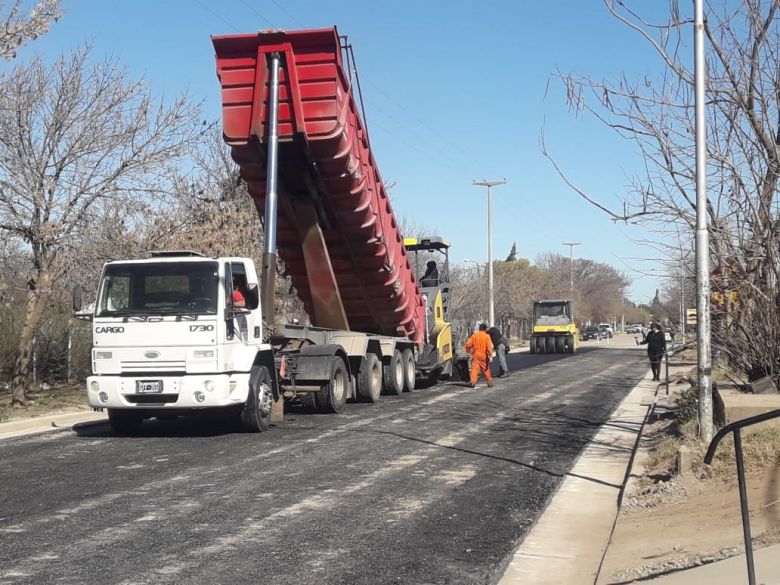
501,345
480,347
656,348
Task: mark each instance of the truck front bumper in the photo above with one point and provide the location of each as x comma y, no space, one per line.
175,392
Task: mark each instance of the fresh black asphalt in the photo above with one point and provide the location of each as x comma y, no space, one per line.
436,486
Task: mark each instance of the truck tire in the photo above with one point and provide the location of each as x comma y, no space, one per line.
369,381
393,375
541,344
332,396
532,345
410,369
125,422
256,414
570,343
560,344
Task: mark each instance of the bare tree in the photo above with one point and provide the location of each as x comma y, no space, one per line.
599,288
78,141
17,28
743,120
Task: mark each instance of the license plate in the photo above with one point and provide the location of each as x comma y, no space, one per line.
148,386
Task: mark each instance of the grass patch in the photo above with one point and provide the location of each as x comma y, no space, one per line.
761,450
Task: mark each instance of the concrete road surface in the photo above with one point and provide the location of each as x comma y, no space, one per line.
436,486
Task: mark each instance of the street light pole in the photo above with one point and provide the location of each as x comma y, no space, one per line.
571,262
703,351
491,300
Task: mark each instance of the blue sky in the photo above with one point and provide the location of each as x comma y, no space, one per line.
455,91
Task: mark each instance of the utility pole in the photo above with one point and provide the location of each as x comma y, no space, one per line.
491,300
571,262
683,317
703,350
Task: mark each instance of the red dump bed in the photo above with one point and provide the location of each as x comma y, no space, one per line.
325,158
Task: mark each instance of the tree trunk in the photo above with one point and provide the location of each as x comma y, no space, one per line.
37,295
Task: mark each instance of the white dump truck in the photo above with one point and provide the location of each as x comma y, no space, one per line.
178,332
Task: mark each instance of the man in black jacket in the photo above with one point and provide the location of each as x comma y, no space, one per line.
501,345
656,348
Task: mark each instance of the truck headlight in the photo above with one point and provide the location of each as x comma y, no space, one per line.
209,385
203,353
103,355
94,386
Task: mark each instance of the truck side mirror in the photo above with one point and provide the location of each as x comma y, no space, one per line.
253,296
78,302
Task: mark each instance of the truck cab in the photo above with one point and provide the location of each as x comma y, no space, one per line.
178,332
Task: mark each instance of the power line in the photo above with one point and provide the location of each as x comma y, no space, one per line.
411,145
216,15
419,136
449,160
421,122
253,9
283,9
467,156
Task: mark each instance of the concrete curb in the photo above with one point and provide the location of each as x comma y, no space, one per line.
569,541
48,424
640,454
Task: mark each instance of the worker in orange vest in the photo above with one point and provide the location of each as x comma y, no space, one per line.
480,347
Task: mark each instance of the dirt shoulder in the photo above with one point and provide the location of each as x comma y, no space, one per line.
50,400
669,521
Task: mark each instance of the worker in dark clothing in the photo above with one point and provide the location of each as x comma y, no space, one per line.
656,348
431,276
501,346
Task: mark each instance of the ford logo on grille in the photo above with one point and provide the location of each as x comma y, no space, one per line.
152,354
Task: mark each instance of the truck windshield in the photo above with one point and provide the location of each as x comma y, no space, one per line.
168,288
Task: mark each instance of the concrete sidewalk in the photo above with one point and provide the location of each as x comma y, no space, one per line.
729,571
42,424
568,542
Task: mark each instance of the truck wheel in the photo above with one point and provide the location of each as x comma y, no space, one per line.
124,422
560,344
570,343
541,344
369,382
410,369
333,395
393,373
256,414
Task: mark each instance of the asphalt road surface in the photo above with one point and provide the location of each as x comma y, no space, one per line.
436,486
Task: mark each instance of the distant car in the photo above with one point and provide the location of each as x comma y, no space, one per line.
592,332
607,329
633,328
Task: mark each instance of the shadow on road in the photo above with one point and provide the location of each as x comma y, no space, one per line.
185,426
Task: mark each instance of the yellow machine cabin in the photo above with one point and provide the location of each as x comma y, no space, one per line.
432,266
